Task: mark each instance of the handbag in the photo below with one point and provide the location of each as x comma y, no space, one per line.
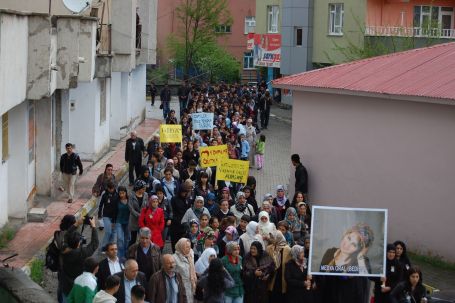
161,106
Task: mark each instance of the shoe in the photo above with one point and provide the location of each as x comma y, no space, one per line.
70,201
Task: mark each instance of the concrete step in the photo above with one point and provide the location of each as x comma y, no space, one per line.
37,214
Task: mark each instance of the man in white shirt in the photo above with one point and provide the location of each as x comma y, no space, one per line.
109,266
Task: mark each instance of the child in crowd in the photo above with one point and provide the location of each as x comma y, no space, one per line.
260,150
283,226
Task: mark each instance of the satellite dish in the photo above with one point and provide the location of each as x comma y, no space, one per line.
77,6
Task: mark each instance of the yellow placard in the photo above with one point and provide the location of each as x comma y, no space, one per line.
212,155
233,170
170,133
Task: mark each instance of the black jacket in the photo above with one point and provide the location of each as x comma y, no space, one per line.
73,261
403,289
103,273
108,205
295,280
140,280
301,179
165,95
70,163
134,155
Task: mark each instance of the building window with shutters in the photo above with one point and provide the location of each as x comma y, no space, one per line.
5,141
336,15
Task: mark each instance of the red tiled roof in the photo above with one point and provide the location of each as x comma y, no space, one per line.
423,72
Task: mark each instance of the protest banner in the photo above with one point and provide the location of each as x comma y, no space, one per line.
170,133
233,170
348,241
212,155
202,120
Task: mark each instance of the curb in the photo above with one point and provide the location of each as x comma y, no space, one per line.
87,208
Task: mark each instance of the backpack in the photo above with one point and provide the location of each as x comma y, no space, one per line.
53,251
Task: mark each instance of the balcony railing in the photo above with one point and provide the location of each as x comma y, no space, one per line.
396,31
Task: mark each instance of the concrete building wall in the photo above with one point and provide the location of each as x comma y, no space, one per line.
324,45
67,52
18,161
3,185
381,153
37,6
116,122
91,137
87,49
296,14
13,60
137,97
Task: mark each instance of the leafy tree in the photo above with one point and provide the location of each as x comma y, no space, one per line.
217,63
198,20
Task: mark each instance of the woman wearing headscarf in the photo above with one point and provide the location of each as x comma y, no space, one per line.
179,205
136,201
258,267
233,264
214,282
267,206
147,178
195,212
230,235
280,252
241,207
295,226
384,286
249,237
153,217
204,260
299,286
281,202
184,265
402,257
265,227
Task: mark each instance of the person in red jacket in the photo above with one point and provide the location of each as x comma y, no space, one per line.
153,217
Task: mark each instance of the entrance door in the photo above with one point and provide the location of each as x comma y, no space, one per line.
446,21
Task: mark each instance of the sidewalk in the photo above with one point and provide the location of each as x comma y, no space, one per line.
32,237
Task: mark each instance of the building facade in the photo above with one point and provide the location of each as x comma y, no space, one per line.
67,77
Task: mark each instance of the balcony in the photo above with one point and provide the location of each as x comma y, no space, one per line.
396,31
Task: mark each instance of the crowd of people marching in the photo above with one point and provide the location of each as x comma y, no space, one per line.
229,243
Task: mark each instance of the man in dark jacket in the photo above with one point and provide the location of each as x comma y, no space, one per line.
183,93
153,92
158,284
265,102
146,253
69,163
73,257
301,175
134,150
165,97
108,266
130,277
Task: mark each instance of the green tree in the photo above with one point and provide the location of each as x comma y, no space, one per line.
217,64
198,20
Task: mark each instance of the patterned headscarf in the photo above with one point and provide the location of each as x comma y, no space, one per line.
295,224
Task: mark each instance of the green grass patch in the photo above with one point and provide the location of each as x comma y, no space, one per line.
436,261
37,271
6,234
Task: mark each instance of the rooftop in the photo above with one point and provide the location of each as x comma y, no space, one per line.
425,72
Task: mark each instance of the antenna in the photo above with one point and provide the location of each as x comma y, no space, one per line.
77,6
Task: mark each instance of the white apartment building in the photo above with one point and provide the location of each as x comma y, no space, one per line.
67,77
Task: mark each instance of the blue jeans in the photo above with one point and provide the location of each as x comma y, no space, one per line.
122,239
166,108
109,232
233,300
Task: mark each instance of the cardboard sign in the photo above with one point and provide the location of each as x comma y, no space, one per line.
170,133
202,120
212,155
233,170
348,241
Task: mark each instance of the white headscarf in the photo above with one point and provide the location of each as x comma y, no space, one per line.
250,236
265,228
203,262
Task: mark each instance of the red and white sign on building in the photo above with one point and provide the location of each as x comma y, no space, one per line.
266,49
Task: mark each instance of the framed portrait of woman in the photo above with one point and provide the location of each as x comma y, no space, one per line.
348,241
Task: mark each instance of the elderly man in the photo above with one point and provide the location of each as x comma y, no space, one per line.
166,285
130,277
109,266
146,253
250,136
134,150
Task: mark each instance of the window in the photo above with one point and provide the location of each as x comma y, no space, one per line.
433,21
223,28
5,150
102,100
272,18
336,12
250,24
248,60
298,36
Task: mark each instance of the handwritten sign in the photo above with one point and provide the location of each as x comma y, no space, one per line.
212,155
233,170
202,120
170,133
